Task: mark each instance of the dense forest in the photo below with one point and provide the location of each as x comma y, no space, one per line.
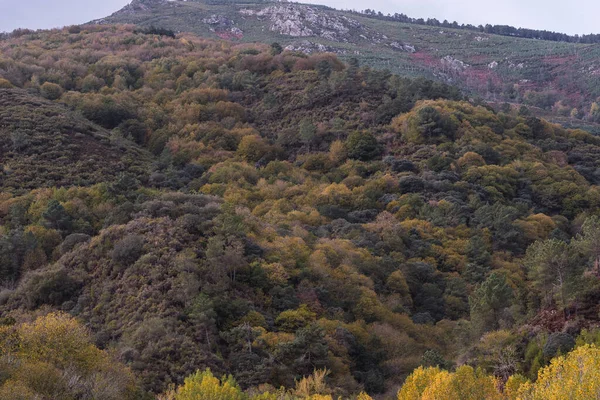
198,219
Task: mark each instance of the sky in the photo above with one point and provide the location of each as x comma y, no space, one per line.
554,15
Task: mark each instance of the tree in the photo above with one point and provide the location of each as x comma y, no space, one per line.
324,69
57,217
307,132
292,320
574,376
551,269
128,249
276,49
362,146
429,126
558,343
435,384
594,114
588,242
252,148
53,358
524,111
488,300
51,91
417,383
135,130
204,385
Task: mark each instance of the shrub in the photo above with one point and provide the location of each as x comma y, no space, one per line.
558,342
205,386
252,148
128,250
5,84
52,287
51,91
71,241
362,146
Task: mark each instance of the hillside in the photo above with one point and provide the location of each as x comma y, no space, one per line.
44,145
288,214
546,74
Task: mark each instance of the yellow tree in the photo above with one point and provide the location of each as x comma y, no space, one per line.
436,384
205,386
464,384
53,358
575,376
417,382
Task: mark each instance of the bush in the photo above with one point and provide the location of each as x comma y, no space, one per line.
52,287
5,84
252,148
204,385
74,29
105,111
558,342
134,130
411,184
128,250
51,91
362,146
71,241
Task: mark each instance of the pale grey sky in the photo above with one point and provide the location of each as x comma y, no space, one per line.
557,15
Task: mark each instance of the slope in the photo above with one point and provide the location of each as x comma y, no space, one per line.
500,68
300,213
43,144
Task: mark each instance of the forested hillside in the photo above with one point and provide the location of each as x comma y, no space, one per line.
496,63
309,227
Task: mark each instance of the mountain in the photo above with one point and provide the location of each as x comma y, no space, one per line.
302,227
554,75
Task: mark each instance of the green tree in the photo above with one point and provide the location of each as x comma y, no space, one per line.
362,146
276,49
57,217
488,300
307,131
551,269
51,91
588,242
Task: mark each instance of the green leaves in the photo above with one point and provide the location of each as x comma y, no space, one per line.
362,146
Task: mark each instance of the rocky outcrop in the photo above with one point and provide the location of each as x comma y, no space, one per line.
403,47
308,47
218,20
454,63
223,27
303,21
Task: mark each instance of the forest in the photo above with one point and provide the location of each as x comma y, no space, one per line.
184,218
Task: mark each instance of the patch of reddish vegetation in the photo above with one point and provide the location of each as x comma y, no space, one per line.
229,35
482,76
551,320
577,316
425,58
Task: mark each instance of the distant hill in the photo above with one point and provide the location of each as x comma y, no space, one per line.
43,144
548,74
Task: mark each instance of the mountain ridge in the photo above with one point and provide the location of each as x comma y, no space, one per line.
560,77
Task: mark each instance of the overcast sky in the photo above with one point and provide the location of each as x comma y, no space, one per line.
558,15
